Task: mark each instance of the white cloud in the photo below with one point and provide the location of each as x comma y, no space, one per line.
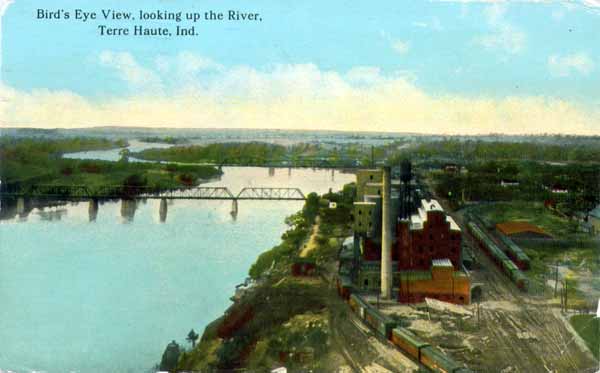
4,5
504,37
563,66
136,76
400,46
294,97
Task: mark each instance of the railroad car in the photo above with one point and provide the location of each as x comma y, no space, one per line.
408,342
379,322
515,253
358,305
498,256
435,360
344,287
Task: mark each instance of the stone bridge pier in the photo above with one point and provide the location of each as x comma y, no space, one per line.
234,209
162,210
93,210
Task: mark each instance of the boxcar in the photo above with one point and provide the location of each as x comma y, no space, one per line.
408,342
499,257
358,305
381,323
515,252
438,362
345,287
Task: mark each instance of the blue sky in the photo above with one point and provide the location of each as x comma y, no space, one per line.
487,51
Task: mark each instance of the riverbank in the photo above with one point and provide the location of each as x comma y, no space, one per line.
286,315
28,162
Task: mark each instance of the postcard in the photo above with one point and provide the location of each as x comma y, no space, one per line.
299,186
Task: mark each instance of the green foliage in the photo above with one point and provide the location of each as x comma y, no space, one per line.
474,150
231,352
311,207
164,140
588,327
170,357
536,180
299,224
31,161
192,337
279,253
231,153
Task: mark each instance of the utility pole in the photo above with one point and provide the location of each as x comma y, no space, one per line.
556,280
566,290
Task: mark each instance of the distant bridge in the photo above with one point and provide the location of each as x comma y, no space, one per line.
82,192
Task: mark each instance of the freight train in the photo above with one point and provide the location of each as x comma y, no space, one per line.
515,253
404,339
498,256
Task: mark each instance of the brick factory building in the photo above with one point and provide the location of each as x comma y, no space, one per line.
424,243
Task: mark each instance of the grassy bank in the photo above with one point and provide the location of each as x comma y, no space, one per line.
576,253
31,161
282,319
588,328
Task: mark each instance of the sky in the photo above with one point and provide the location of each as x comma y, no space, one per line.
437,66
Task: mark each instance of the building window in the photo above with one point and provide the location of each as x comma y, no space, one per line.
430,236
366,282
431,249
453,250
420,249
421,262
371,176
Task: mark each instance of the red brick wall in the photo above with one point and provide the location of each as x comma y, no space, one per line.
417,249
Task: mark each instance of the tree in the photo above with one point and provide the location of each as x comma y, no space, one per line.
170,357
192,337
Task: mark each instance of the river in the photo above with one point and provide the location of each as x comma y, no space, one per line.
109,295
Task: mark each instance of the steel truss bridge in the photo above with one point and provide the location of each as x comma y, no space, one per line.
82,192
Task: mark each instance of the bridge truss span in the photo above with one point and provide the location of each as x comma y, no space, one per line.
79,192
256,193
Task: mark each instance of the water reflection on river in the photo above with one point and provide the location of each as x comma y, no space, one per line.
108,295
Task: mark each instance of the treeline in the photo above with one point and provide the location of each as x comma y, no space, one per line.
576,186
165,140
12,147
23,159
31,161
265,154
230,153
472,150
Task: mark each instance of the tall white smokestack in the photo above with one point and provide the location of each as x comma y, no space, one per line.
386,235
